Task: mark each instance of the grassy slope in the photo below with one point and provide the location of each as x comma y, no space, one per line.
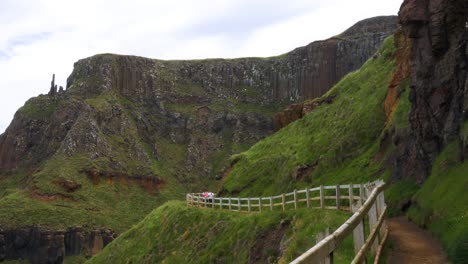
341,137
116,205
344,134
441,204
174,233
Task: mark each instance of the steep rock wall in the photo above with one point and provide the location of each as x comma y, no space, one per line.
439,66
39,245
200,104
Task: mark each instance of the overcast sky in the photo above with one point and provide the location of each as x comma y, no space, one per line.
41,37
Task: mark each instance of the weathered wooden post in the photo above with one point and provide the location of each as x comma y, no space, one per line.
372,224
358,232
283,199
239,204
319,237
248,204
230,204
380,206
351,196
361,193
322,198
260,204
271,203
220,203
338,197
308,197
295,199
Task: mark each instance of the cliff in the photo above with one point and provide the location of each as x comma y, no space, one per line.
403,119
190,103
438,36
129,133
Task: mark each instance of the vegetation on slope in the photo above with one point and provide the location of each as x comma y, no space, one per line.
174,233
337,142
116,205
341,139
37,196
441,205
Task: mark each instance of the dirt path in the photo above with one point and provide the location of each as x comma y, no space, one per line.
411,244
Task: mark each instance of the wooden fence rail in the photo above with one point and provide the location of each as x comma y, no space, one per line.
328,197
365,200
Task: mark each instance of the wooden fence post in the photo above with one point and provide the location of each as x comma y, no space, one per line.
372,224
238,204
319,237
358,237
260,204
271,203
382,205
361,193
283,199
230,206
338,197
308,197
248,204
220,203
322,198
295,199
212,202
351,196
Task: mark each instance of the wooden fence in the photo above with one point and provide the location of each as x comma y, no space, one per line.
325,197
365,200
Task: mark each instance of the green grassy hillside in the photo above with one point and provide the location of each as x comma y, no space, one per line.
174,233
441,205
341,139
337,142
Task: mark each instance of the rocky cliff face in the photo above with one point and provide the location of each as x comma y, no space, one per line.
39,245
198,104
438,37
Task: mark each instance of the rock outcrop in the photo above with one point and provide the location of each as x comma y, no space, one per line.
163,96
438,36
39,245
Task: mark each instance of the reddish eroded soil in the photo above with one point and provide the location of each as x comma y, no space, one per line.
412,244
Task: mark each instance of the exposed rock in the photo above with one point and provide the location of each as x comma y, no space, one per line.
304,171
439,59
402,72
303,73
53,86
2,246
68,185
149,183
89,116
39,245
267,247
296,111
292,113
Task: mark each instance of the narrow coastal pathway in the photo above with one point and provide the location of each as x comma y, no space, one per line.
411,244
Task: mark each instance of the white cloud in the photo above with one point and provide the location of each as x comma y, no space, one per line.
41,37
